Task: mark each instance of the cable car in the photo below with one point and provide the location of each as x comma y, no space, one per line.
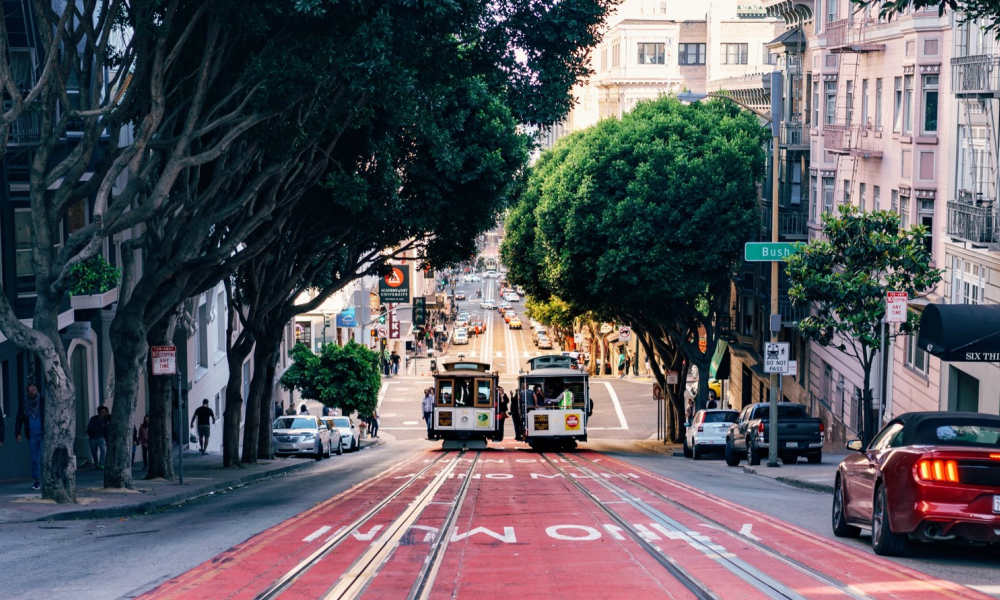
556,417
465,406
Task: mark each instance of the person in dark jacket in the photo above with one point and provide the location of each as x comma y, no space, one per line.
31,416
144,441
97,430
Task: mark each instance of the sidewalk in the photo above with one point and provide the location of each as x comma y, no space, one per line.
203,475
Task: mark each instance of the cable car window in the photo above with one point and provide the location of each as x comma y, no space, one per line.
484,393
464,392
445,392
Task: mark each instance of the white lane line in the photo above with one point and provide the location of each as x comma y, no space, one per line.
618,406
316,534
381,395
745,531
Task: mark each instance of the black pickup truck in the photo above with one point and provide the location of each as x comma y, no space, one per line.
798,434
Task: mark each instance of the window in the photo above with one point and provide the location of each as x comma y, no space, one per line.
877,199
652,54
850,103
862,190
604,59
908,104
663,8
916,358
847,192
967,285
831,11
897,105
770,58
904,211
201,344
814,200
734,54
925,216
691,54
615,55
796,190
815,106
484,393
930,91
864,104
828,195
220,321
303,332
878,104
830,91
22,243
819,13
974,161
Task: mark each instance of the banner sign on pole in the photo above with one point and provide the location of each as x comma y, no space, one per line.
895,307
394,286
164,360
393,322
345,318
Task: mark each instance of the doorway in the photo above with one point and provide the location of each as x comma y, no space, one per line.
746,387
963,391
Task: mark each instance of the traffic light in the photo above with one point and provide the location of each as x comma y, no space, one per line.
383,312
374,333
326,320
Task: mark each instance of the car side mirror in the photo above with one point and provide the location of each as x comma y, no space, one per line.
855,445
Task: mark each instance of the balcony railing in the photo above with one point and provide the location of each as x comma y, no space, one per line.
791,314
973,223
837,33
792,225
27,129
857,140
791,135
975,75
856,35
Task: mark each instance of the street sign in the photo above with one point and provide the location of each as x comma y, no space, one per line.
577,338
164,360
393,322
776,357
768,251
625,334
606,328
394,286
793,368
673,377
895,307
383,331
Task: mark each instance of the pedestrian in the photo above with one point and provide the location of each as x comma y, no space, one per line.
31,415
689,412
290,412
278,411
394,358
303,410
203,415
621,365
428,408
502,414
527,398
373,424
135,443
144,442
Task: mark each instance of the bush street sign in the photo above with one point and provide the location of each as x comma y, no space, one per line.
768,251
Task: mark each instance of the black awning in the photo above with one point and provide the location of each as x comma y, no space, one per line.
961,332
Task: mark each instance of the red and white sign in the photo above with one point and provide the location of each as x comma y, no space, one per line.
895,307
383,331
572,422
625,334
164,360
393,322
672,377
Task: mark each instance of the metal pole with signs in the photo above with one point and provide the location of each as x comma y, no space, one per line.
777,87
164,359
895,312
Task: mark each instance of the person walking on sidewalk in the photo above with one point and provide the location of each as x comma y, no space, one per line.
203,415
428,408
621,365
373,424
97,431
394,358
31,415
144,442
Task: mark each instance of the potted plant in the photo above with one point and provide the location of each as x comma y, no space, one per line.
93,282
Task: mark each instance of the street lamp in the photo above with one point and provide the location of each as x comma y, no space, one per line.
775,82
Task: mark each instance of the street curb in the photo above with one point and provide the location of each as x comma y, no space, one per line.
659,447
174,499
806,485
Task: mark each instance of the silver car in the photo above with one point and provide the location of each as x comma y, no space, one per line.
343,428
707,431
301,434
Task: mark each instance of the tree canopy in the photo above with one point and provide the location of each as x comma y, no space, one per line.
345,377
986,12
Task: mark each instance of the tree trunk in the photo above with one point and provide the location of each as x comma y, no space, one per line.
868,416
128,338
58,459
256,407
265,451
232,413
161,428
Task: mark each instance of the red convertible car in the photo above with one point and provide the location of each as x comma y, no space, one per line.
929,475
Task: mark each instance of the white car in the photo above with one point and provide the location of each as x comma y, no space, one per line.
490,274
344,432
543,342
707,431
512,297
488,305
460,337
474,279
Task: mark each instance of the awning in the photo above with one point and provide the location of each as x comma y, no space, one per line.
719,367
961,332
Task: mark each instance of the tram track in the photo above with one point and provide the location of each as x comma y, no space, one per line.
353,582
766,585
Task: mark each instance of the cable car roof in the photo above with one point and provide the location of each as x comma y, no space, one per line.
466,365
554,372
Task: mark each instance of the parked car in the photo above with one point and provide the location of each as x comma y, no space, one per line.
538,331
300,434
336,445
344,430
927,475
460,337
798,434
514,323
707,431
543,342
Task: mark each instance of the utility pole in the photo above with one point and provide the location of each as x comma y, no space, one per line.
776,100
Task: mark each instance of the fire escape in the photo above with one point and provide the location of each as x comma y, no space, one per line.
854,37
975,81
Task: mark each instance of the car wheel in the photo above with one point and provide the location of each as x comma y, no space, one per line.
840,526
340,446
884,541
753,454
687,449
354,445
732,458
815,459
318,455
695,453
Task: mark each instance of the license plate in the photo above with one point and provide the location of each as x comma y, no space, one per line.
287,447
791,444
996,504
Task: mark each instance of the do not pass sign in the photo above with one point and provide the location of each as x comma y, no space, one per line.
164,360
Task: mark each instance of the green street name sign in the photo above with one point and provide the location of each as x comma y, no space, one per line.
768,251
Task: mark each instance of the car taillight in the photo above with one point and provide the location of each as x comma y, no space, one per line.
760,428
938,470
822,427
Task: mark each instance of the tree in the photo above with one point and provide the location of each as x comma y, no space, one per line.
844,277
644,219
985,12
346,377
